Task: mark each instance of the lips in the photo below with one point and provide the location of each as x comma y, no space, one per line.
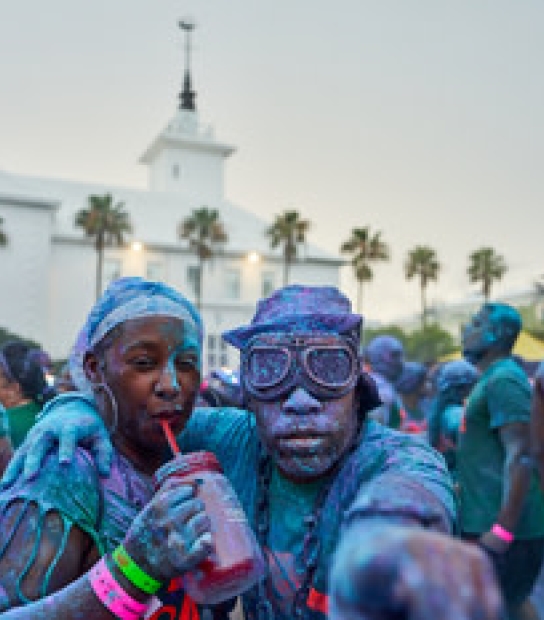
303,444
170,415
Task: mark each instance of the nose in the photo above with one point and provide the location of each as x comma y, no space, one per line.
167,386
301,402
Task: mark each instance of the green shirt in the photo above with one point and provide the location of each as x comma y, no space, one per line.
501,396
17,421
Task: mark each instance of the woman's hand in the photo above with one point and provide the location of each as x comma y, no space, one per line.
172,534
71,423
385,571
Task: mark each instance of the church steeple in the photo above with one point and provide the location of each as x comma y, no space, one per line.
187,95
185,157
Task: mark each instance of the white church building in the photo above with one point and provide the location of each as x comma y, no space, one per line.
48,273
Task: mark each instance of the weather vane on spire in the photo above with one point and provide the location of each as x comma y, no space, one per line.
187,96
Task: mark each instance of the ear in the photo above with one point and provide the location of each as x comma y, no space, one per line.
93,368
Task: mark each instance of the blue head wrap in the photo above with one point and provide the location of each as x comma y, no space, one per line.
457,373
412,377
125,299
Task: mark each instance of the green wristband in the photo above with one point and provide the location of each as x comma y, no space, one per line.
134,573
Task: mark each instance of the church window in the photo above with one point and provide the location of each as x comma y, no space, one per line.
232,284
217,352
192,279
154,270
267,283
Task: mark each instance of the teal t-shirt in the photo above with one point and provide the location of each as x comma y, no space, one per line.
19,420
501,396
385,458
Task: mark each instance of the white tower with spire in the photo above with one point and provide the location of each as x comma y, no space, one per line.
185,157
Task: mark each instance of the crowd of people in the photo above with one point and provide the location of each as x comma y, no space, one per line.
376,487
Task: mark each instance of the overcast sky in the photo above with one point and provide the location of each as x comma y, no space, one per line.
420,118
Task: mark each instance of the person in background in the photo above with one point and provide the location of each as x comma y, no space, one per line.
6,449
384,356
501,504
63,380
412,387
221,389
23,388
454,382
537,421
304,455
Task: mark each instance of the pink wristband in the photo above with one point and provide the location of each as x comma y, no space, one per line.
112,596
503,534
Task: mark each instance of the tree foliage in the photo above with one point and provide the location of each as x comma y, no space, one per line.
486,267
6,336
425,345
107,224
206,233
422,262
365,248
288,230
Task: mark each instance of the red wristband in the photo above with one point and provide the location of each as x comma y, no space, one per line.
503,534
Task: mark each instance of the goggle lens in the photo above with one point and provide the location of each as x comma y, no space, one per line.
329,366
267,366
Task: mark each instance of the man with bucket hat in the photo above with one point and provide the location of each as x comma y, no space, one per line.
305,460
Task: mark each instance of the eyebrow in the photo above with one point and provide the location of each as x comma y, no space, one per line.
140,344
152,344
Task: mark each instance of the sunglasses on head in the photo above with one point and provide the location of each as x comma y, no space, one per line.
327,366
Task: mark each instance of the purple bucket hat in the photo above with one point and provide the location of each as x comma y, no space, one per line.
300,308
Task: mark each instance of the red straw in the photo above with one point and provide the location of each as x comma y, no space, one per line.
170,437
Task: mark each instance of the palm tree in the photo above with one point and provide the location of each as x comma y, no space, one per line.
365,248
205,231
288,230
106,223
486,266
423,263
3,234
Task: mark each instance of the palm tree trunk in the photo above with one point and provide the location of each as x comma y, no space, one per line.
199,285
423,308
99,263
487,290
286,272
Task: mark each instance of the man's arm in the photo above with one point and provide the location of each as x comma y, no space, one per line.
394,560
537,423
516,481
383,569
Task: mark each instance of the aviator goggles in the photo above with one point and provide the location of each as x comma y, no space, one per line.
327,366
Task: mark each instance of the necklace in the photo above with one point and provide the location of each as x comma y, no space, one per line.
311,546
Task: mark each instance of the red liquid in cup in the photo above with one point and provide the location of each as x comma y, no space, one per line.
236,563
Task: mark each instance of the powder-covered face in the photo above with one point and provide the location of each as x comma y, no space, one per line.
306,436
478,336
151,368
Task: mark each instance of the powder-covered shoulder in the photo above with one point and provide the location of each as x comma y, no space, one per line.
72,490
210,428
404,455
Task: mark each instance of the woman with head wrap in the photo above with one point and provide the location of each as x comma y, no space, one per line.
137,361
